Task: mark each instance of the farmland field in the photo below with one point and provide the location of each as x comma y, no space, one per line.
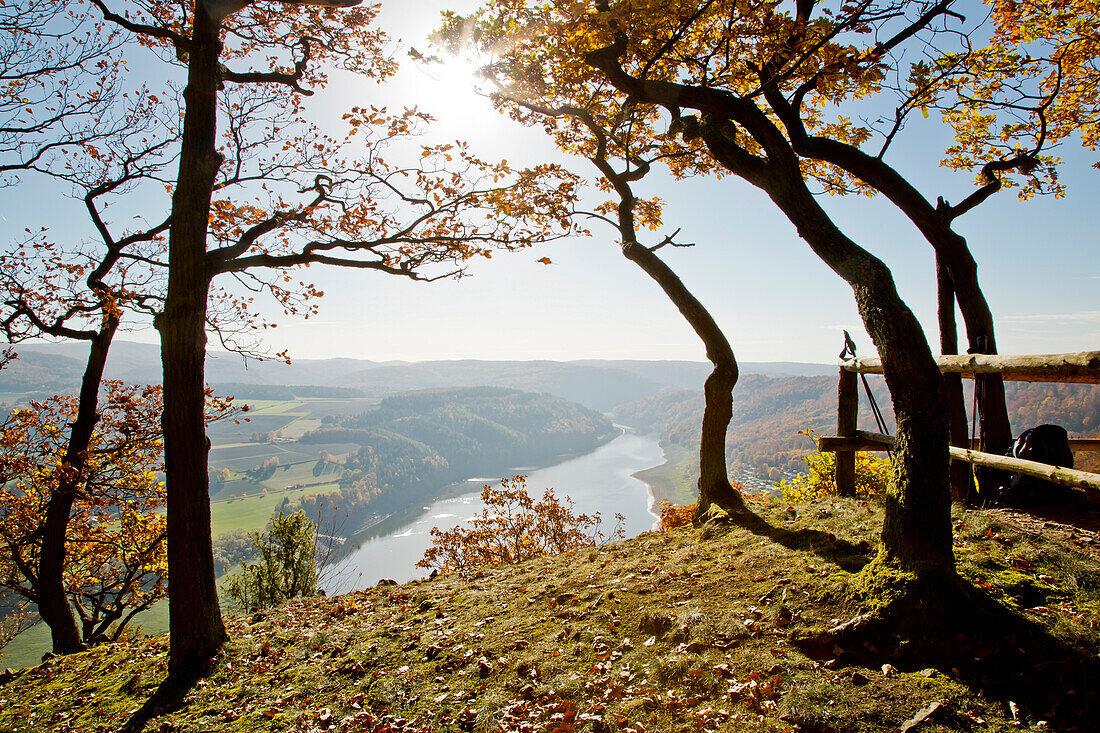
251,514
288,418
300,427
227,431
219,455
240,458
319,407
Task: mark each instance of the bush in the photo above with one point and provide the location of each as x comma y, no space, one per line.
16,616
872,476
517,529
285,564
673,516
231,548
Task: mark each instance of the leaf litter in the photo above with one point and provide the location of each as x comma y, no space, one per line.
662,632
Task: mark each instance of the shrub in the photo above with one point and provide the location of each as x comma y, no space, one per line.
673,516
513,528
872,476
16,616
285,564
231,548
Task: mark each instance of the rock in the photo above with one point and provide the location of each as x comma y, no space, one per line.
850,625
920,717
889,670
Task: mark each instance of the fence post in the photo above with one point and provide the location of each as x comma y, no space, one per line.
846,414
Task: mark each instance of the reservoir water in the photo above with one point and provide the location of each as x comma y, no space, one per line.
599,481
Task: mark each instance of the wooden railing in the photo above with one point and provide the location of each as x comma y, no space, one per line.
1080,368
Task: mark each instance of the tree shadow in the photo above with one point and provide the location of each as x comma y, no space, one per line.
988,647
168,698
1082,515
985,644
849,556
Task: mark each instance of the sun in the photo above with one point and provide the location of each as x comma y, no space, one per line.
454,91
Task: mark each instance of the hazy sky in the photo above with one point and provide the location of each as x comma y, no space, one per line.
1038,261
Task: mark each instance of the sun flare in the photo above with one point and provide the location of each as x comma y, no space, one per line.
454,89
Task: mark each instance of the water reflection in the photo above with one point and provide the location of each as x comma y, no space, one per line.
599,481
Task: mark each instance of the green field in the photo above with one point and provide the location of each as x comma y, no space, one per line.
286,418
251,514
300,427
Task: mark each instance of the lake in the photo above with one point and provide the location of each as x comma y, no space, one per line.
599,481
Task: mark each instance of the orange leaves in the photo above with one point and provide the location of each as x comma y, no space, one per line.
673,516
544,260
115,550
514,528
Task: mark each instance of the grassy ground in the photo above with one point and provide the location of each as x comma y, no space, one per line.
680,631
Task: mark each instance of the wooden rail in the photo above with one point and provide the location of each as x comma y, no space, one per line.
1083,368
863,440
867,441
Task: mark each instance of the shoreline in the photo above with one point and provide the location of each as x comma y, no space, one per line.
671,480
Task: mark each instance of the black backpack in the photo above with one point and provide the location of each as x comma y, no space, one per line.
1044,444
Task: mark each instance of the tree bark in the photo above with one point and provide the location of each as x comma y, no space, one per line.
917,528
52,596
195,622
715,490
961,485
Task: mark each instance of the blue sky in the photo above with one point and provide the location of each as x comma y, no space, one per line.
1038,261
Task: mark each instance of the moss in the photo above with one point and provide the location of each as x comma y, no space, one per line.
1022,591
882,584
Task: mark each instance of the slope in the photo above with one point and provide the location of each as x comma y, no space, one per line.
665,632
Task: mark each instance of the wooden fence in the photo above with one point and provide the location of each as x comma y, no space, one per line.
1080,368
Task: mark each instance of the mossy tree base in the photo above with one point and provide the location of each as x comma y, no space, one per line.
944,623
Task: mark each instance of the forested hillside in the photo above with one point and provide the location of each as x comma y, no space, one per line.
770,416
422,441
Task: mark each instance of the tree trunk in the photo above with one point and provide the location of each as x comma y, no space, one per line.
52,597
961,485
916,535
916,532
716,495
194,621
951,250
996,434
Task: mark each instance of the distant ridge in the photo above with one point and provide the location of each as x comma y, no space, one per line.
600,384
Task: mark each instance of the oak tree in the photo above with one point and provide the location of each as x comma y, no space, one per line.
655,65
114,551
621,162
843,83
80,291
